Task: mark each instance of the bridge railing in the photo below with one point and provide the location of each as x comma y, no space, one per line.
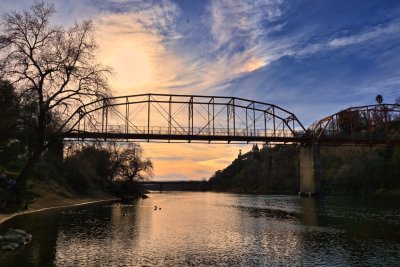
362,136
157,130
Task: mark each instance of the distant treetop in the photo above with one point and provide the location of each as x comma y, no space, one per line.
379,99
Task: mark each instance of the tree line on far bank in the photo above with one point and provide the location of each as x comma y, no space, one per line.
345,170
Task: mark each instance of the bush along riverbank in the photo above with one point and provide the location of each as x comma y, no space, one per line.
85,173
345,170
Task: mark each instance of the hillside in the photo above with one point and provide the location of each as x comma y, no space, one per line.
346,170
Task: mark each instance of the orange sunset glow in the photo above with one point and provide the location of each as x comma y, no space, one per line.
142,64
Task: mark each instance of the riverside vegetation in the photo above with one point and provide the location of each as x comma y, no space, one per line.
345,170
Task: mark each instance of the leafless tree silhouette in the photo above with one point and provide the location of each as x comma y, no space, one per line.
52,67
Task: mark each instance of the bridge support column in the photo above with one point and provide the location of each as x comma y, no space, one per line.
310,170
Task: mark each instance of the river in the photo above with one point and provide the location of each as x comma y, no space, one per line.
214,229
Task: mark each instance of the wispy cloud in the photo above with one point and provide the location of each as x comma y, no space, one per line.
235,46
374,34
235,22
368,34
132,42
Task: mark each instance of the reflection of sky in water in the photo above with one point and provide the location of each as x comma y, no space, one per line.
210,229
217,229
189,229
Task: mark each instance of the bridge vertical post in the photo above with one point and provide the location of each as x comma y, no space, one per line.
293,129
208,118
102,118
265,123
247,126
190,116
386,120
254,119
213,115
148,115
126,116
106,119
273,120
227,115
169,115
369,121
337,124
310,169
234,115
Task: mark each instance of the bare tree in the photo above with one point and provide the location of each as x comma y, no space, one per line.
52,67
127,163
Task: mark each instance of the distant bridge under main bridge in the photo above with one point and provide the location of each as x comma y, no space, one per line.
174,185
219,119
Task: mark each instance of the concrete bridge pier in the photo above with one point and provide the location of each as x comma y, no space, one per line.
310,170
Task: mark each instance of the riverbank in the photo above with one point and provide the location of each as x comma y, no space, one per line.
51,195
346,170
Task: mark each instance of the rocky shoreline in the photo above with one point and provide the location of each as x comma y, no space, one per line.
14,238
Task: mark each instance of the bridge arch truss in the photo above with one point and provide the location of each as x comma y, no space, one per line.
184,118
378,124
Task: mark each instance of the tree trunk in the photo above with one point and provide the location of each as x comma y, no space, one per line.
24,174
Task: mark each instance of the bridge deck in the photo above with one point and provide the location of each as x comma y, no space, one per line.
228,138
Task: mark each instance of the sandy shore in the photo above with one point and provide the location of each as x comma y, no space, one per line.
53,196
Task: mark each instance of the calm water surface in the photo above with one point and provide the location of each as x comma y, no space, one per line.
214,229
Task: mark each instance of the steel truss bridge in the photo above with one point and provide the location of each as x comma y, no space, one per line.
372,124
218,119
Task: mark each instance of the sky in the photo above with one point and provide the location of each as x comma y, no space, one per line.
313,58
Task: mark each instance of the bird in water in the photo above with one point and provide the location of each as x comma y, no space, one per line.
155,207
